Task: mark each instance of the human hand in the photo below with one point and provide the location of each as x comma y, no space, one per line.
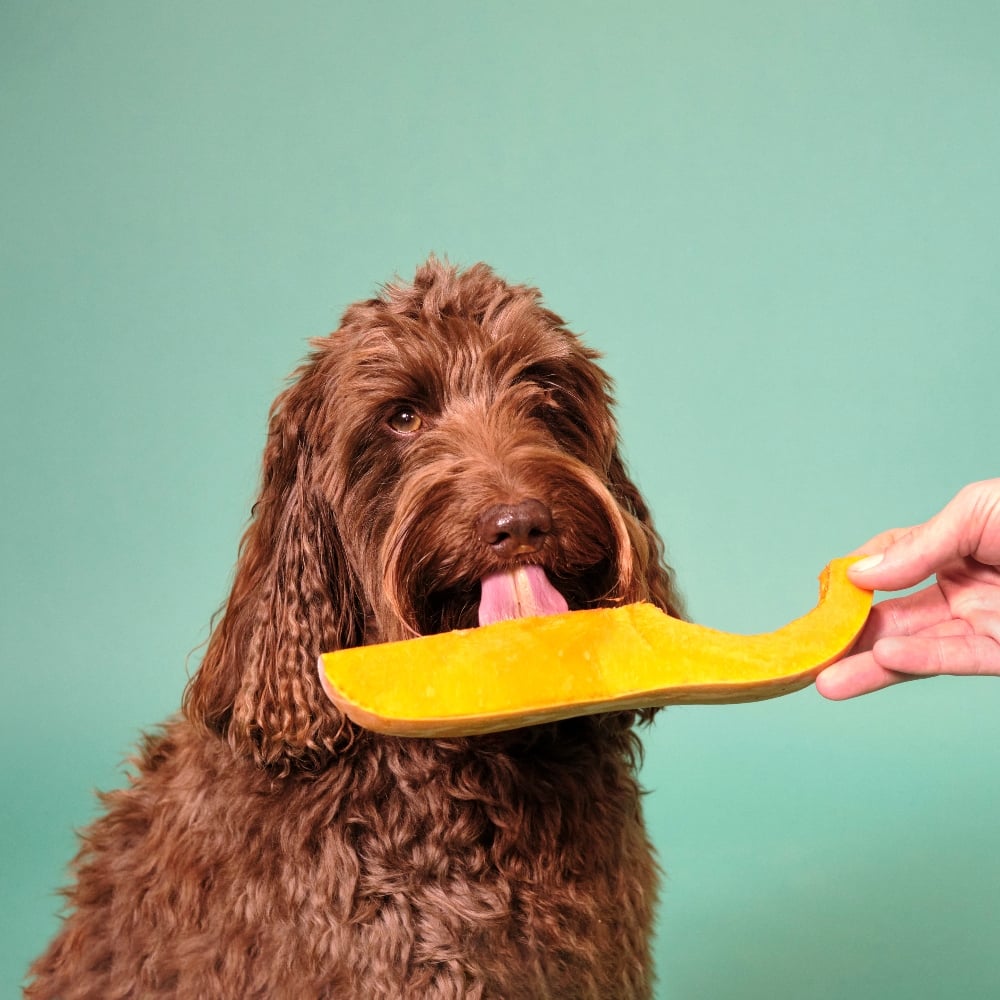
950,627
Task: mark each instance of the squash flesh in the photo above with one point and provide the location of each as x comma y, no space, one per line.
531,670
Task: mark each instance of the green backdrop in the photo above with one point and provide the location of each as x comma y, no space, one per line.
780,221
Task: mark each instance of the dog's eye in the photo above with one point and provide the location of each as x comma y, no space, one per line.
405,420
546,404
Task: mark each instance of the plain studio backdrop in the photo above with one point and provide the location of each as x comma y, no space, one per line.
780,222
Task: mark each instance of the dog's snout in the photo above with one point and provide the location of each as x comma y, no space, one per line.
515,529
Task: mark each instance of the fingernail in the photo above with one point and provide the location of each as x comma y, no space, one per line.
869,562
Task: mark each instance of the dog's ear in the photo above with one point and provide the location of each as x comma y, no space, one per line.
292,598
650,565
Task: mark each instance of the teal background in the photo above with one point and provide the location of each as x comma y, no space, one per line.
780,222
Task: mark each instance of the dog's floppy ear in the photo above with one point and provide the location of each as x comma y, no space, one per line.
649,549
292,598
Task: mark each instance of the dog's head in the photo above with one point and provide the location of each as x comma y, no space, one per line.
446,458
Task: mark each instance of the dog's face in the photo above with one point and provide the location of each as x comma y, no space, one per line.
446,458
469,463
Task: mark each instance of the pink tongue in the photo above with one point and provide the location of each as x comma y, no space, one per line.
519,593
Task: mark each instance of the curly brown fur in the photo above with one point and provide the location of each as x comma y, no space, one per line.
266,846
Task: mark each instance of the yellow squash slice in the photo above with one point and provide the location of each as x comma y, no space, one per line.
531,670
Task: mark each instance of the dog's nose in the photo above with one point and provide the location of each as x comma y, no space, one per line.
515,529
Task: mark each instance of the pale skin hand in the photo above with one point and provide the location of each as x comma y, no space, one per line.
951,626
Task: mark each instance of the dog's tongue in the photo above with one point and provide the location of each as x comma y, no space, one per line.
519,593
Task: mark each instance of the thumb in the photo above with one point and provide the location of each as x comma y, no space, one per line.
959,530
903,563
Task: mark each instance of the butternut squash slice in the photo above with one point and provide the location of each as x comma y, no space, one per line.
532,670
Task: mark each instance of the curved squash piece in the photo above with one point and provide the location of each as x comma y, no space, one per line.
532,670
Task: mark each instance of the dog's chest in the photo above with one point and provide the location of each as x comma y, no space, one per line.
532,874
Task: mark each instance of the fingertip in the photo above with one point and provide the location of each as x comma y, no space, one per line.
830,684
866,564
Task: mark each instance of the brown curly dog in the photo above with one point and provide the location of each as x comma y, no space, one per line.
451,439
